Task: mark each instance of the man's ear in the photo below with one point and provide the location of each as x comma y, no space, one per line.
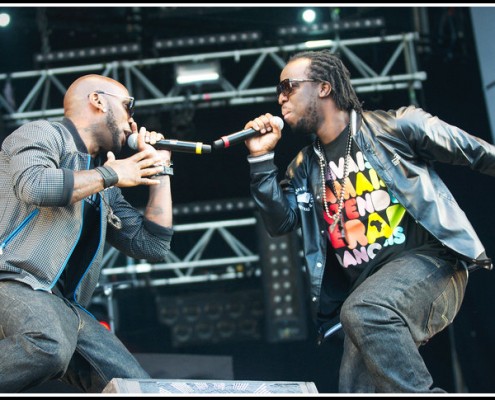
325,89
95,101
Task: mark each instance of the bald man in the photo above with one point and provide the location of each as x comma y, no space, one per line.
61,200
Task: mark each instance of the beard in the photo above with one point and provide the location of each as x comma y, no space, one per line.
308,124
114,131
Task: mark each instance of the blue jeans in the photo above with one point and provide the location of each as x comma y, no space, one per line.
392,313
44,337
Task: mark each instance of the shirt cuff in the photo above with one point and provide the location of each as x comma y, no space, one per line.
264,157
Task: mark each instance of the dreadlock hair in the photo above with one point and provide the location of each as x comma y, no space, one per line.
326,66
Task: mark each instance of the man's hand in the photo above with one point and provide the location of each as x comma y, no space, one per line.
148,161
270,134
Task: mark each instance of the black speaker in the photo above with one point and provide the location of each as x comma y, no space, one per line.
180,386
286,314
212,317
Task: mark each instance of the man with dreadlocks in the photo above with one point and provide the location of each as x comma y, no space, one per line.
386,246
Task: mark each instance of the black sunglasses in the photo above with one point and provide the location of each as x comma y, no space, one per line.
286,86
129,105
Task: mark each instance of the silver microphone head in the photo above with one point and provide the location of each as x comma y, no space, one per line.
279,121
132,141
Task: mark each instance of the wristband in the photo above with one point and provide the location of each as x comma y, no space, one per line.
109,176
166,171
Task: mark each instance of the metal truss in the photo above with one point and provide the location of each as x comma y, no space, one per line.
201,251
235,247
249,77
235,261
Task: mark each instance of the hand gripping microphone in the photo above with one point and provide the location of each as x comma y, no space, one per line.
173,145
241,136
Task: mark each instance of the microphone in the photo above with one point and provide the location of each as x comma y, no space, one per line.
173,145
241,136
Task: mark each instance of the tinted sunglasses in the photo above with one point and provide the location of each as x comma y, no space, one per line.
129,105
286,86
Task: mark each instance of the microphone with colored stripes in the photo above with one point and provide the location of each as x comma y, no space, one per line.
241,136
173,145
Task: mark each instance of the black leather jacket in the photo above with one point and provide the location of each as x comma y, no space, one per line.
400,145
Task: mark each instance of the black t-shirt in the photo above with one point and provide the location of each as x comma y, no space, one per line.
377,228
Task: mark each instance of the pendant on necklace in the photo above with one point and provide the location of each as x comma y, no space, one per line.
342,229
334,224
114,220
339,220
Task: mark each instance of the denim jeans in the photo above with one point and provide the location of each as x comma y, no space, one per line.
44,337
390,315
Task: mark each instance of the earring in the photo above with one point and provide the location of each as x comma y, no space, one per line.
105,110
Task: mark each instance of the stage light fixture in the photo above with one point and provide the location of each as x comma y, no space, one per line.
208,40
312,44
197,73
4,20
209,207
309,15
90,52
335,26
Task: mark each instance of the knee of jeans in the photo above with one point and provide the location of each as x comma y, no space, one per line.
48,353
357,312
351,313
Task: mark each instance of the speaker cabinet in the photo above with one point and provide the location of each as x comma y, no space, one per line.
286,317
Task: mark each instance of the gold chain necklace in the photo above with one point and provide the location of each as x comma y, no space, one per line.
337,217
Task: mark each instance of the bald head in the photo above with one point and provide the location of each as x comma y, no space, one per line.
76,97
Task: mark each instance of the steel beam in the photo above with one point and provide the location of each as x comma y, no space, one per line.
146,77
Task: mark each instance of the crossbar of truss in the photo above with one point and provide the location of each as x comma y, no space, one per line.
186,269
143,73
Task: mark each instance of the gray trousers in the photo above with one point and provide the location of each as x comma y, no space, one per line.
44,337
390,315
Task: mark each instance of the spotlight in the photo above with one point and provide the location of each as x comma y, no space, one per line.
197,73
4,20
309,16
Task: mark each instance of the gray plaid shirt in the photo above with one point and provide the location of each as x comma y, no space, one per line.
39,228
